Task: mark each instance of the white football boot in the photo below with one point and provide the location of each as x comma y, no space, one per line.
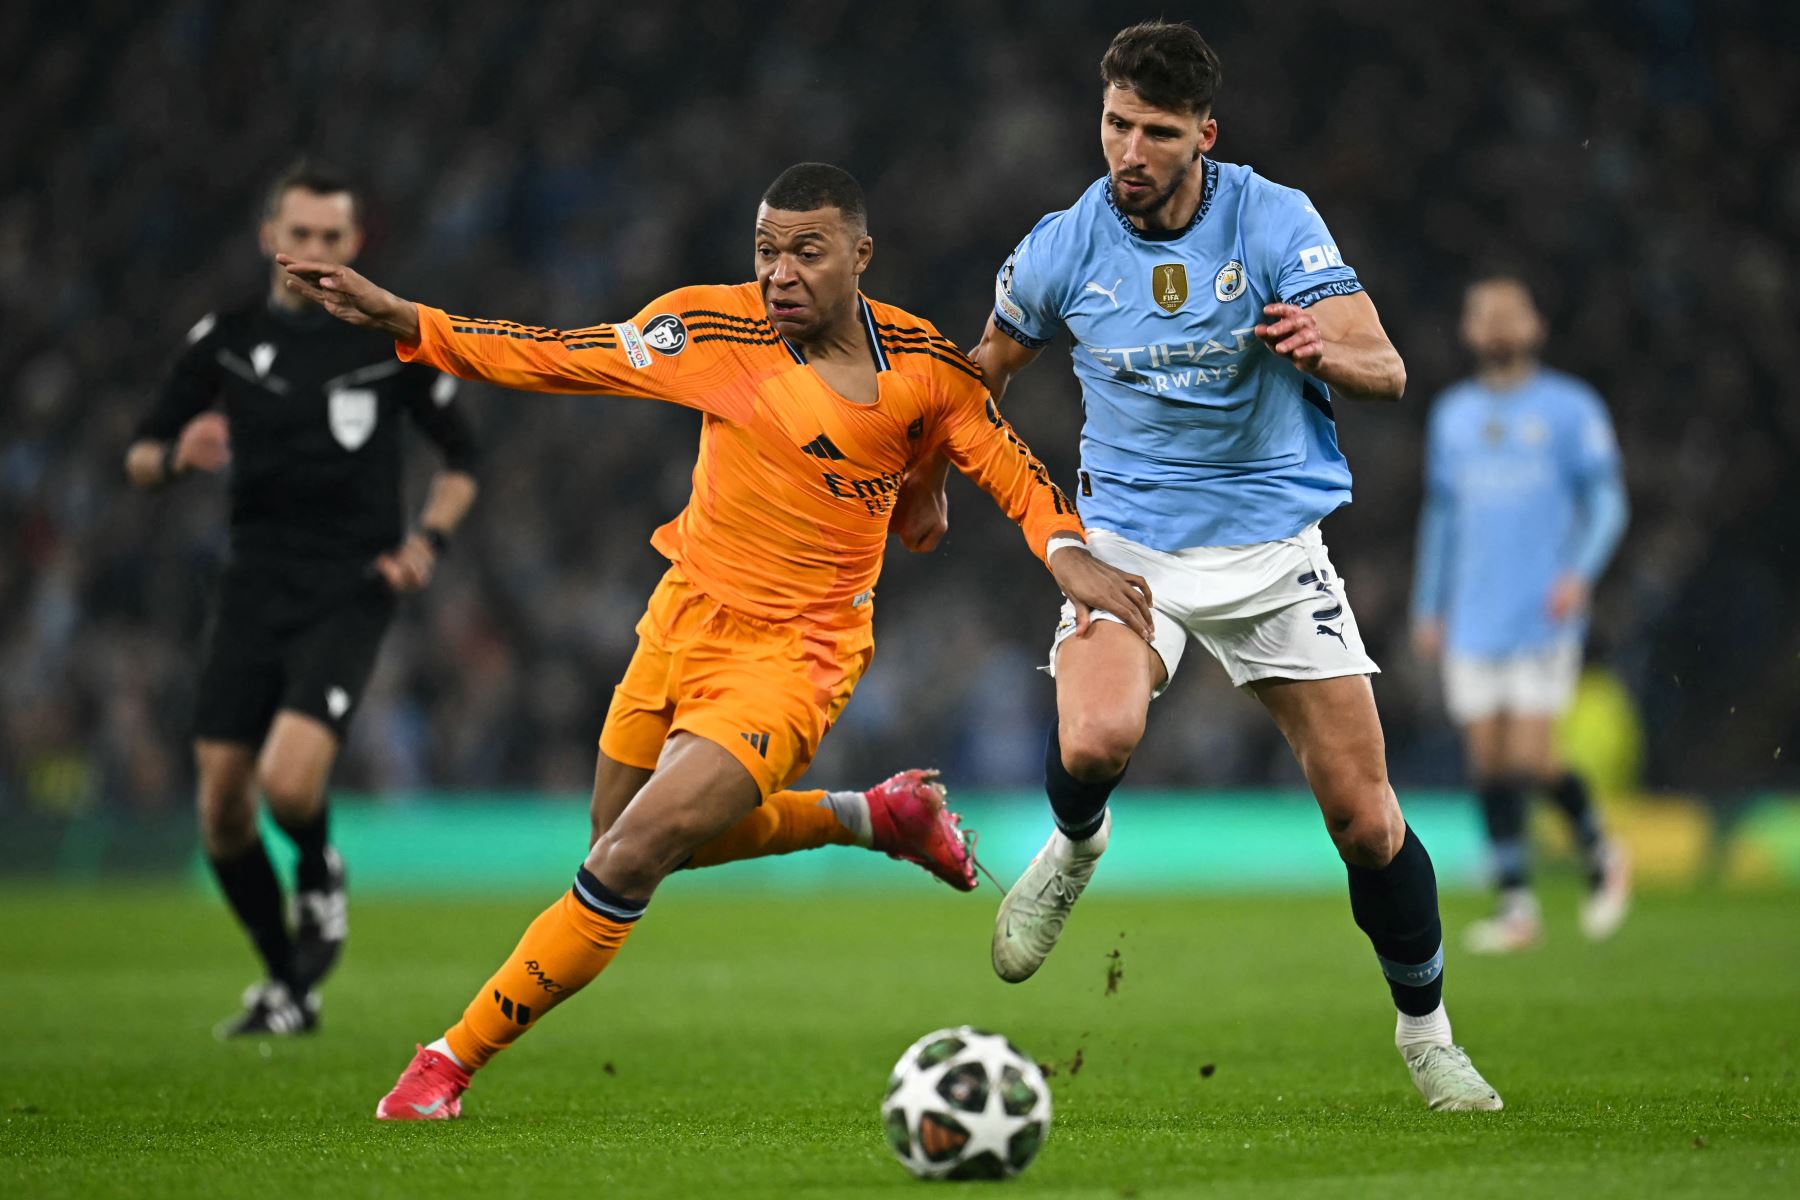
1032,916
1517,926
1604,909
1448,1080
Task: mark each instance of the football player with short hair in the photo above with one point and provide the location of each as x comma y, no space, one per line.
1213,317
1524,506
308,415
816,400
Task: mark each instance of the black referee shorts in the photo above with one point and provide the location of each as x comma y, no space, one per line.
286,643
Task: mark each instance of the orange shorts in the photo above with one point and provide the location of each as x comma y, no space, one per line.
765,691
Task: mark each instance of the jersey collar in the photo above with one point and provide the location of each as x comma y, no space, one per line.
868,319
1208,186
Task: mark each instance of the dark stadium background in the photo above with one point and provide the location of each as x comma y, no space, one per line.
563,163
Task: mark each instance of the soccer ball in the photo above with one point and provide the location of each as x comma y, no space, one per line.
964,1104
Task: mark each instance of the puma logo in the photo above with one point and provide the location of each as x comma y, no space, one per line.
1324,630
1111,293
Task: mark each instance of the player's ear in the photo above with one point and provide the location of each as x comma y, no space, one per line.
265,237
1209,133
865,250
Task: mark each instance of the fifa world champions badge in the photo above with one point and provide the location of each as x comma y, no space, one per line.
1169,284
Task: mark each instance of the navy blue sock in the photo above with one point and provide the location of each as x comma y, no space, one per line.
248,881
1570,794
1396,906
1079,806
1503,810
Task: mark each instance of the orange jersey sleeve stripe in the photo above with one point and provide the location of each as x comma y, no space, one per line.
974,436
615,360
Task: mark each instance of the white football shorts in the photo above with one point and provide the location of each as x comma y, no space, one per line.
1535,683
1269,610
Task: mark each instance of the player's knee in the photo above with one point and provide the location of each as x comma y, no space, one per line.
227,819
1370,834
633,861
1097,748
291,793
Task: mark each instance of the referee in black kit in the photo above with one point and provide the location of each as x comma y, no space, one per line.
306,411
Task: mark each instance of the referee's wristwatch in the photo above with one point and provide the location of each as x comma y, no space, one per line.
437,539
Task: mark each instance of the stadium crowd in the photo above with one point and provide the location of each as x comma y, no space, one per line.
563,163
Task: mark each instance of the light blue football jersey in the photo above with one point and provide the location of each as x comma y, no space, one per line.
1522,486
1196,434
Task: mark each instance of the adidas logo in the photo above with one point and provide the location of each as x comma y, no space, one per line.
821,447
520,1013
758,740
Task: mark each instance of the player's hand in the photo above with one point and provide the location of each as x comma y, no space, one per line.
409,568
204,445
1291,332
349,297
1428,639
1568,598
921,511
1090,584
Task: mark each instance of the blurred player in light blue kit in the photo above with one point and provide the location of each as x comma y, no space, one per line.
1212,317
1523,509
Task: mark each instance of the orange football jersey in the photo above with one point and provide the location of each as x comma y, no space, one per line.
794,484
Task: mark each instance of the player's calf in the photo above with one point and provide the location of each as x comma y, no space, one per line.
321,921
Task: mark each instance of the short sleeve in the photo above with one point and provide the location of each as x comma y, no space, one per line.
430,399
1025,306
192,386
1303,260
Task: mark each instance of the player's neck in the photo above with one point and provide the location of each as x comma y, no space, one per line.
1506,375
1178,212
844,340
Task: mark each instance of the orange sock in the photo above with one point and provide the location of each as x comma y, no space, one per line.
783,823
562,951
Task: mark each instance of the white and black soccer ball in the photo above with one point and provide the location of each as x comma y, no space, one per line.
965,1104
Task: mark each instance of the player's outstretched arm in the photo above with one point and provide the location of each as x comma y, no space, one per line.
1339,341
922,510
349,297
595,360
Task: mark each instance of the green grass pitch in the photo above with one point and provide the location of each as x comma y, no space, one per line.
739,1046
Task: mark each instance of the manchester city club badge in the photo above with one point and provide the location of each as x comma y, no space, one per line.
1230,282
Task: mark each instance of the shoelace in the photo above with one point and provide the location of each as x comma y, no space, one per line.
1058,883
969,838
1451,1061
